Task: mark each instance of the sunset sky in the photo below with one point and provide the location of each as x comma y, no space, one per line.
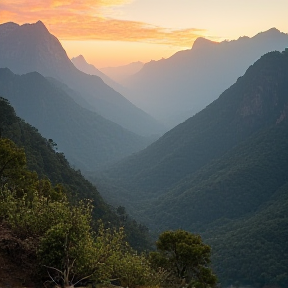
117,32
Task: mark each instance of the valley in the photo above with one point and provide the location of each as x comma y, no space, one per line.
196,143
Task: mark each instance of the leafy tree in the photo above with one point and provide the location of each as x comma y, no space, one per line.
185,257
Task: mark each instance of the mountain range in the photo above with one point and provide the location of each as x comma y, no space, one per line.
176,88
81,64
30,47
221,173
87,139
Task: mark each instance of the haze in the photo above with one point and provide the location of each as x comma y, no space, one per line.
113,33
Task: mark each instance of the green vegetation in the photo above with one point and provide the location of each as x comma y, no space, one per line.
63,247
185,258
217,173
53,167
61,235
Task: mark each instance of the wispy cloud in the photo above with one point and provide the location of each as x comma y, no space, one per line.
83,20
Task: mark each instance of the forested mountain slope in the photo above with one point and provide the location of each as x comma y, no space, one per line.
223,174
87,139
42,158
231,187
30,47
254,250
256,101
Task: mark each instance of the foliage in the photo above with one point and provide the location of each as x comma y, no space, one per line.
53,168
66,245
185,257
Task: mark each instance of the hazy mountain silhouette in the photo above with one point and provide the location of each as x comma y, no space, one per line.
31,47
174,89
256,101
87,139
121,73
81,64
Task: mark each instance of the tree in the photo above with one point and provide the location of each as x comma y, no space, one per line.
185,257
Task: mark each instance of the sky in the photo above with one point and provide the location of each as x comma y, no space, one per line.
118,32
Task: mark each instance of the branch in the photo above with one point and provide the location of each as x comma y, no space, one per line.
52,278
84,278
54,269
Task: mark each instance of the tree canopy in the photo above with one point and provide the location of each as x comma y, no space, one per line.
185,257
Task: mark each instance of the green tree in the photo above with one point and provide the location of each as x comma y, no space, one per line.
185,257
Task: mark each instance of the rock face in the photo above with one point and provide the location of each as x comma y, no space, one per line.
31,47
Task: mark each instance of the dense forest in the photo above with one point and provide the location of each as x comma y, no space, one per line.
59,237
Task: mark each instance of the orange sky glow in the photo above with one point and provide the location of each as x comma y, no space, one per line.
116,32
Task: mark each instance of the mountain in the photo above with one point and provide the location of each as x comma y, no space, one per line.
256,101
121,73
87,139
254,250
81,64
48,163
223,174
188,81
31,47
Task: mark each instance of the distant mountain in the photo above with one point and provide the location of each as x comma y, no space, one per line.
223,174
121,73
31,47
81,64
87,139
176,88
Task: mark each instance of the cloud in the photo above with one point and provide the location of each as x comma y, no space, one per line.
84,20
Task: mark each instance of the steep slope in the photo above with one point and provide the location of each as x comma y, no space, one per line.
189,80
42,158
231,187
257,100
31,47
81,64
254,250
87,139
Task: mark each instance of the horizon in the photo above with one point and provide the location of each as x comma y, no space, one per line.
143,30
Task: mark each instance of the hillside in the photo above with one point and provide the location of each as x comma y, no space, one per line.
87,139
254,250
30,47
257,100
189,80
223,174
42,158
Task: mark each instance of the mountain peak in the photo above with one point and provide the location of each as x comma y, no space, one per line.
79,59
40,25
202,43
